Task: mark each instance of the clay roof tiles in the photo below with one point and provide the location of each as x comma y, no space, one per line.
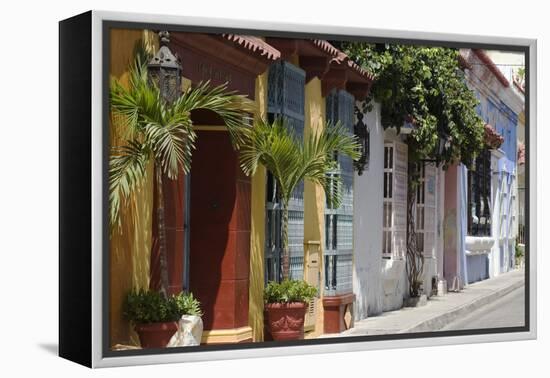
254,44
482,55
269,52
340,56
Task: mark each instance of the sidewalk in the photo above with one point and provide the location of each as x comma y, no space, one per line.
440,310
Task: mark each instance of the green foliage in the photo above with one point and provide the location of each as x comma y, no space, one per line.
149,307
290,160
162,132
519,251
186,304
521,74
289,291
423,86
152,307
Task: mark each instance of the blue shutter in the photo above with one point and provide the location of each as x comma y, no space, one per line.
338,252
286,99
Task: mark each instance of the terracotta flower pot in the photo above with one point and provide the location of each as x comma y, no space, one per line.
285,321
156,335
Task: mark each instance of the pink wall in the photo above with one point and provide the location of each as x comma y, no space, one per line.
450,227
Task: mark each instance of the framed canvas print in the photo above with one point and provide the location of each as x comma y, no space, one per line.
237,189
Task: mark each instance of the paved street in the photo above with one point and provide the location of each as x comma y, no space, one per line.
508,311
496,302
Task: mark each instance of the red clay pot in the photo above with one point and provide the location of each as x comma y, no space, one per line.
156,335
285,321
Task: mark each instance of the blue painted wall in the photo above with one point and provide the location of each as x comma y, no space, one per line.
505,121
478,267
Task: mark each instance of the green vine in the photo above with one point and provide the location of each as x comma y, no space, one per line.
425,88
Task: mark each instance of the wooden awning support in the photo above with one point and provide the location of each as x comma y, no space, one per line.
319,58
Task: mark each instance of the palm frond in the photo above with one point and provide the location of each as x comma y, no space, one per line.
337,138
137,101
172,144
127,166
276,148
291,161
234,109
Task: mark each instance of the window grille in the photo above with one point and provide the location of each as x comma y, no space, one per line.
394,224
286,96
479,196
338,252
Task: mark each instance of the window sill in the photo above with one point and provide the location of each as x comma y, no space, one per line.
477,245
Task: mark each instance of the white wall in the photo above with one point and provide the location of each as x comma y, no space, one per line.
395,283
494,260
368,200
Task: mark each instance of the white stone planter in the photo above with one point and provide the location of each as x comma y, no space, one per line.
189,332
477,245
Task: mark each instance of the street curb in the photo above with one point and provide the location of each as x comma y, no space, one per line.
440,321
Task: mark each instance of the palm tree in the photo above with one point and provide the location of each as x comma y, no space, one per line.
290,161
163,133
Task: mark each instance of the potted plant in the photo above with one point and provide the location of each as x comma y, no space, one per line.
190,324
155,316
291,161
286,306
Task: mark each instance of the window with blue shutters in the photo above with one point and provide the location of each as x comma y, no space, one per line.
338,252
285,98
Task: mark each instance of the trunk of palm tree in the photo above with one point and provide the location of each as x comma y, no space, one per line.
161,224
284,242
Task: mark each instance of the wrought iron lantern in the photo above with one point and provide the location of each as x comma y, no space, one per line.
443,144
164,70
361,131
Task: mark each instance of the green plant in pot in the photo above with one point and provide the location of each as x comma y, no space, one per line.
291,161
155,316
286,306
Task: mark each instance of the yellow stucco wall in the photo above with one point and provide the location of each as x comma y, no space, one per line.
130,244
257,229
314,196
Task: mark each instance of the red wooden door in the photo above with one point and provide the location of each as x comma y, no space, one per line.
219,232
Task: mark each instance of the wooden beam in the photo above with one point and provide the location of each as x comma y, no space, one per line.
336,77
287,46
359,90
315,66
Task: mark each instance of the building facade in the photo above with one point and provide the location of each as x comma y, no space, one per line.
223,229
380,237
491,185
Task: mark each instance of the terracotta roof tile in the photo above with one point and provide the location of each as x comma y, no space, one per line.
340,57
360,70
327,47
491,66
492,138
254,44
